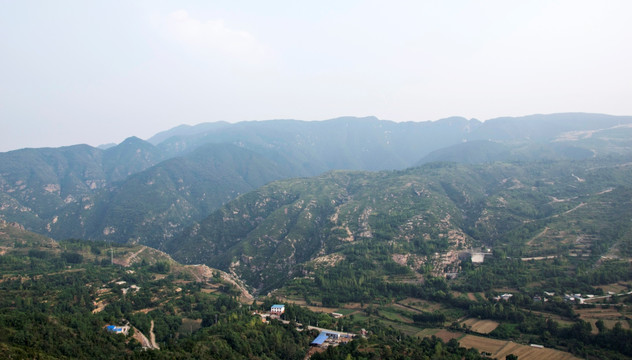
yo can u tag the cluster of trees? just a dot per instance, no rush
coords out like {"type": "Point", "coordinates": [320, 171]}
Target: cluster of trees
{"type": "Point", "coordinates": [52, 315]}
{"type": "Point", "coordinates": [577, 338]}
{"type": "Point", "coordinates": [561, 275]}
{"type": "Point", "coordinates": [48, 308]}
{"type": "Point", "coordinates": [430, 318]}
{"type": "Point", "coordinates": [48, 314]}
{"type": "Point", "coordinates": [390, 344]}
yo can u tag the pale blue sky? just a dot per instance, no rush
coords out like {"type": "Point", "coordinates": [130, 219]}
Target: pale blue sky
{"type": "Point", "coordinates": [98, 72]}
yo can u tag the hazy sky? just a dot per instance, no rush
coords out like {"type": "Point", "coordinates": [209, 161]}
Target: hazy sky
{"type": "Point", "coordinates": [97, 72]}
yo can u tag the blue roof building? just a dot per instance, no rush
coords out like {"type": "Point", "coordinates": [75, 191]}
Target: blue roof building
{"type": "Point", "coordinates": [117, 329]}
{"type": "Point", "coordinates": [320, 339]}
{"type": "Point", "coordinates": [324, 335]}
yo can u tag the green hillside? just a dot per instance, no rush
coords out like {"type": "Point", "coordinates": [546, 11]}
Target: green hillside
{"type": "Point", "coordinates": [520, 209]}
{"type": "Point", "coordinates": [57, 299]}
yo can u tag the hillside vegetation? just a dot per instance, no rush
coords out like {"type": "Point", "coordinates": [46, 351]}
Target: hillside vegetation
{"type": "Point", "coordinates": [56, 300]}
{"type": "Point", "coordinates": [419, 236]}
{"type": "Point", "coordinates": [149, 191]}
{"type": "Point", "coordinates": [404, 219]}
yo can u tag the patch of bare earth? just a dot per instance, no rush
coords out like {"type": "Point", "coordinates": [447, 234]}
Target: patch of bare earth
{"type": "Point", "coordinates": [328, 260]}
{"type": "Point", "coordinates": [499, 349]}
{"type": "Point", "coordinates": [447, 335]}
{"type": "Point", "coordinates": [203, 273]}
{"type": "Point", "coordinates": [141, 338]}
{"type": "Point", "coordinates": [99, 307]}
{"type": "Point", "coordinates": [481, 326]}
{"type": "Point", "coordinates": [145, 311]}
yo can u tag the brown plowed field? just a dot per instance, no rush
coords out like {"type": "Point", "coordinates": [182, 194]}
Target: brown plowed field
{"type": "Point", "coordinates": [499, 349]}
{"type": "Point", "coordinates": [481, 326]}
{"type": "Point", "coordinates": [446, 335]}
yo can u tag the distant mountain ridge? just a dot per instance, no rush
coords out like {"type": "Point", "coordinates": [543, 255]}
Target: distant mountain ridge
{"type": "Point", "coordinates": [149, 191]}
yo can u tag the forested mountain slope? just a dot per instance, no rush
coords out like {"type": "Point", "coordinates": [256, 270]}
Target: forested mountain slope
{"type": "Point", "coordinates": [522, 209]}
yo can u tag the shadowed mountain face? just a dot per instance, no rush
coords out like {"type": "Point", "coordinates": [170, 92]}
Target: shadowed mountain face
{"type": "Point", "coordinates": [149, 191]}
{"type": "Point", "coordinates": [70, 198]}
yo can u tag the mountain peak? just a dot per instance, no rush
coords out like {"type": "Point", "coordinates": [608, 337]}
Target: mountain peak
{"type": "Point", "coordinates": [133, 140]}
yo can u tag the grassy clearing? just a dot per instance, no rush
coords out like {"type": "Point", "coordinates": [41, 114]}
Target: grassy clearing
{"type": "Point", "coordinates": [394, 316]}
{"type": "Point", "coordinates": [321, 309]}
{"type": "Point", "coordinates": [427, 332]}
{"type": "Point", "coordinates": [360, 318]}
{"type": "Point", "coordinates": [480, 326]}
{"type": "Point", "coordinates": [447, 335]}
{"type": "Point", "coordinates": [406, 329]}
{"type": "Point", "coordinates": [421, 305]}
{"type": "Point", "coordinates": [346, 312]}
{"type": "Point", "coordinates": [561, 320]}
{"type": "Point", "coordinates": [617, 288]}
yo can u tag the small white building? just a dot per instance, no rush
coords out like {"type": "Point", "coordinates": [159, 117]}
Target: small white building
{"type": "Point", "coordinates": [277, 309]}
{"type": "Point", "coordinates": [504, 297]}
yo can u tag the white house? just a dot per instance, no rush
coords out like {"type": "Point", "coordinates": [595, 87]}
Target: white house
{"type": "Point", "coordinates": [277, 309]}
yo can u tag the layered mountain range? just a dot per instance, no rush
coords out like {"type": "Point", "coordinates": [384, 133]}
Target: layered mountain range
{"type": "Point", "coordinates": [174, 191]}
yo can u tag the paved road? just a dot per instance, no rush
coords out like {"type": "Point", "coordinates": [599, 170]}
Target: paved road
{"type": "Point", "coordinates": [309, 327]}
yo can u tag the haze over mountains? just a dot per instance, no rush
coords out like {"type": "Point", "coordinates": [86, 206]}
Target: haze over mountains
{"type": "Point", "coordinates": [150, 191]}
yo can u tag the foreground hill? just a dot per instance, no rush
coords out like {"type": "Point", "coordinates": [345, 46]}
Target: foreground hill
{"type": "Point", "coordinates": [420, 218]}
{"type": "Point", "coordinates": [67, 300]}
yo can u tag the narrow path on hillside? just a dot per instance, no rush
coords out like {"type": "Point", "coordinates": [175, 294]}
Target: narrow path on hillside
{"type": "Point", "coordinates": [569, 211]}
{"type": "Point", "coordinates": [130, 259]}
{"type": "Point", "coordinates": [152, 336]}
{"type": "Point", "coordinates": [542, 233]}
